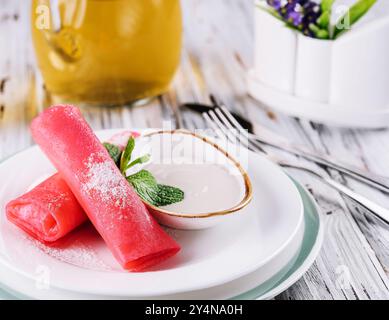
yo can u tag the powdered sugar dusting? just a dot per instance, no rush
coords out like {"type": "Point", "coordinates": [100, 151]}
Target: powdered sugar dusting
{"type": "Point", "coordinates": [55, 201]}
{"type": "Point", "coordinates": [103, 180]}
{"type": "Point", "coordinates": [77, 254]}
{"type": "Point", "coordinates": [103, 183]}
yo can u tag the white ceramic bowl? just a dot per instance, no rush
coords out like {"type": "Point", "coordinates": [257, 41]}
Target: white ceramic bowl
{"type": "Point", "coordinates": [197, 148]}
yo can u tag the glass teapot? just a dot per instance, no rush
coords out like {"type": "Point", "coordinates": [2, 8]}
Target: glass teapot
{"type": "Point", "coordinates": [106, 52]}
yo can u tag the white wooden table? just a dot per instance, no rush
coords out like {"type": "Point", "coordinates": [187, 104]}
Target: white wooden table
{"type": "Point", "coordinates": [218, 45]}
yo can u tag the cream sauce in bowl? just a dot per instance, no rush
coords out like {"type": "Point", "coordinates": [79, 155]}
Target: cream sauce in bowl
{"type": "Point", "coordinates": [215, 185]}
{"type": "Point", "coordinates": [207, 187]}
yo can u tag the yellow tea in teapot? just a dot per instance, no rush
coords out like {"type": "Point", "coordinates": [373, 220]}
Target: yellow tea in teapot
{"type": "Point", "coordinates": [106, 51]}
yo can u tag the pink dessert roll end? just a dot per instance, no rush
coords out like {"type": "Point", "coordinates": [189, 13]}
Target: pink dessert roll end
{"type": "Point", "coordinates": [48, 212]}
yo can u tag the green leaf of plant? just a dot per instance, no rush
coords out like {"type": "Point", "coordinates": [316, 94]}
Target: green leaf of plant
{"type": "Point", "coordinates": [150, 191]}
{"type": "Point", "coordinates": [145, 186]}
{"type": "Point", "coordinates": [114, 151]}
{"type": "Point", "coordinates": [324, 20]}
{"type": "Point", "coordinates": [357, 11]}
{"type": "Point", "coordinates": [126, 154]}
{"type": "Point", "coordinates": [139, 160]}
{"type": "Point", "coordinates": [168, 195]}
{"type": "Point", "coordinates": [319, 33]}
{"type": "Point", "coordinates": [326, 5]}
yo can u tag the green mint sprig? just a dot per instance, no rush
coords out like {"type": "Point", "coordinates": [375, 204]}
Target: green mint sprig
{"type": "Point", "coordinates": [143, 182]}
{"type": "Point", "coordinates": [149, 190]}
{"type": "Point", "coordinates": [126, 155]}
{"type": "Point", "coordinates": [168, 195]}
{"type": "Point", "coordinates": [114, 152]}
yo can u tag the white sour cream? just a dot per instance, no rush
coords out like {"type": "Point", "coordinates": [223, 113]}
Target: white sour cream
{"type": "Point", "coordinates": [207, 187]}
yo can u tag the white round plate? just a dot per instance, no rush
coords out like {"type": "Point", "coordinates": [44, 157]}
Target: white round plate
{"type": "Point", "coordinates": [320, 112]}
{"type": "Point", "coordinates": [247, 287]}
{"type": "Point", "coordinates": [265, 233]}
{"type": "Point", "coordinates": [310, 248]}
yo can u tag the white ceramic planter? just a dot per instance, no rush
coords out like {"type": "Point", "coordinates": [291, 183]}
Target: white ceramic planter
{"type": "Point", "coordinates": [360, 68]}
{"type": "Point", "coordinates": [323, 80]}
{"type": "Point", "coordinates": [275, 52]}
{"type": "Point", "coordinates": [313, 69]}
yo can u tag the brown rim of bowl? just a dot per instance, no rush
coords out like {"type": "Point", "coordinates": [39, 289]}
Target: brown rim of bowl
{"type": "Point", "coordinates": [248, 187]}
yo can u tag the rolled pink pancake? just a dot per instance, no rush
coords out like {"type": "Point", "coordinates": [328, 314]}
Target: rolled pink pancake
{"type": "Point", "coordinates": [131, 233]}
{"type": "Point", "coordinates": [48, 212]}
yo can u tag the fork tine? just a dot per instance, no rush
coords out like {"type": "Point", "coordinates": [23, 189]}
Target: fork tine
{"type": "Point", "coordinates": [232, 123]}
{"type": "Point", "coordinates": [209, 121]}
{"type": "Point", "coordinates": [230, 117]}
{"type": "Point", "coordinates": [222, 120]}
{"type": "Point", "coordinates": [240, 135]}
{"type": "Point", "coordinates": [237, 125]}
{"type": "Point", "coordinates": [223, 128]}
{"type": "Point", "coordinates": [214, 126]}
{"type": "Point", "coordinates": [228, 127]}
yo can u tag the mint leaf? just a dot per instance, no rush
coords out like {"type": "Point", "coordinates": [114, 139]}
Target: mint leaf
{"type": "Point", "coordinates": [126, 154]}
{"type": "Point", "coordinates": [139, 160]}
{"type": "Point", "coordinates": [150, 191]}
{"type": "Point", "coordinates": [114, 151]}
{"type": "Point", "coordinates": [143, 182]}
{"type": "Point", "coordinates": [145, 186]}
{"type": "Point", "coordinates": [168, 195]}
{"type": "Point", "coordinates": [143, 176]}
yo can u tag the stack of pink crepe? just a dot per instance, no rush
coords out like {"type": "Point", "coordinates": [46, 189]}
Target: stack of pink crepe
{"type": "Point", "coordinates": [48, 212]}
{"type": "Point", "coordinates": [91, 176]}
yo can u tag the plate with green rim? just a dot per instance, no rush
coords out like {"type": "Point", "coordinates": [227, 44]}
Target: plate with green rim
{"type": "Point", "coordinates": [312, 242]}
{"type": "Point", "coordinates": [296, 268]}
{"type": "Point", "coordinates": [272, 225]}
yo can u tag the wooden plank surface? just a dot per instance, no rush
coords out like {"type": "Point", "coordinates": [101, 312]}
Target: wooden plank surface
{"type": "Point", "coordinates": [218, 45]}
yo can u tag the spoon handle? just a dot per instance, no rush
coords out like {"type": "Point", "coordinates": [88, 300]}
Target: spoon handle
{"type": "Point", "coordinates": [372, 207]}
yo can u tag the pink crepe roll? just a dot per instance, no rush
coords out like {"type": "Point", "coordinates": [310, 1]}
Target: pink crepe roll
{"type": "Point", "coordinates": [131, 233]}
{"type": "Point", "coordinates": [48, 212]}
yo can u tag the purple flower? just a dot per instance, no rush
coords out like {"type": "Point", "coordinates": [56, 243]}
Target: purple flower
{"type": "Point", "coordinates": [299, 13]}
{"type": "Point", "coordinates": [296, 18]}
{"type": "Point", "coordinates": [276, 4]}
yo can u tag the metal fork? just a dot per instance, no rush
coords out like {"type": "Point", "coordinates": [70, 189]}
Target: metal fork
{"type": "Point", "coordinates": [274, 140]}
{"type": "Point", "coordinates": [226, 127]}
